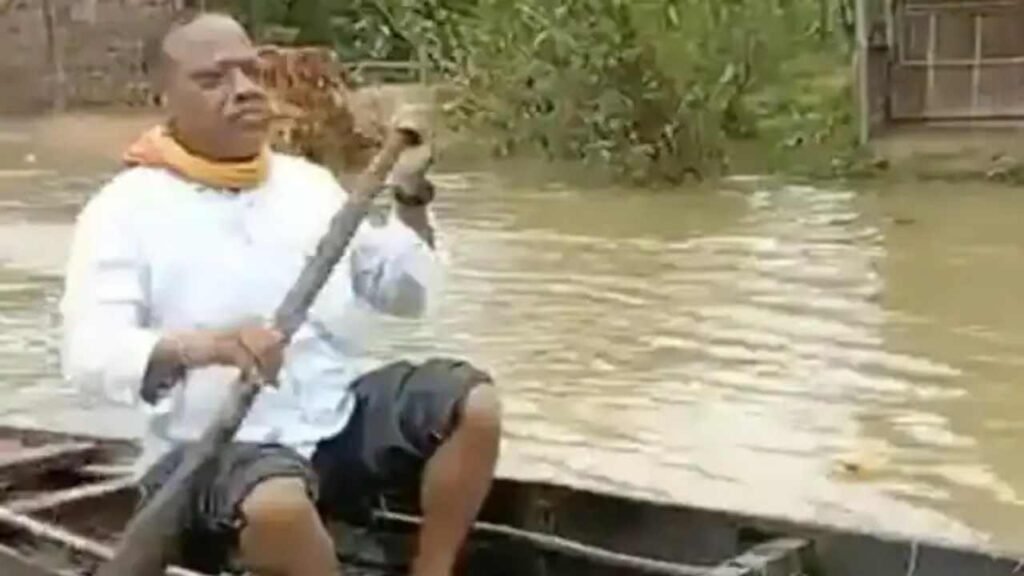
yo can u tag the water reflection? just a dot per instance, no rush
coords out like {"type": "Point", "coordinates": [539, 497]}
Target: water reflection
{"type": "Point", "coordinates": [721, 348]}
{"type": "Point", "coordinates": [721, 355]}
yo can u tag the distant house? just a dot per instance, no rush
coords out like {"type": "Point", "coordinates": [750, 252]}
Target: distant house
{"type": "Point", "coordinates": [84, 52]}
{"type": "Point", "coordinates": [924, 61]}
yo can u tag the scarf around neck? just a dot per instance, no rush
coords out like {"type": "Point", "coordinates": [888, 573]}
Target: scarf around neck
{"type": "Point", "coordinates": [158, 149]}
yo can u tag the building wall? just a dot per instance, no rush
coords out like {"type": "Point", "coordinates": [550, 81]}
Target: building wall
{"type": "Point", "coordinates": [960, 59]}
{"type": "Point", "coordinates": [103, 57]}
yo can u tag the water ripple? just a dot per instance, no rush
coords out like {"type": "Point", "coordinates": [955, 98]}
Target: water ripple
{"type": "Point", "coordinates": [720, 350]}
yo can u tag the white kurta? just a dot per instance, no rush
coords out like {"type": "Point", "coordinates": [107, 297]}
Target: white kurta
{"type": "Point", "coordinates": [152, 252]}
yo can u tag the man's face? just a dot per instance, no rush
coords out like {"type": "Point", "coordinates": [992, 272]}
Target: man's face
{"type": "Point", "coordinates": [217, 107]}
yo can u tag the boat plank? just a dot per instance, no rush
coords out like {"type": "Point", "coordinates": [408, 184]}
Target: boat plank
{"type": "Point", "coordinates": [12, 563]}
{"type": "Point", "coordinates": [68, 539]}
{"type": "Point", "coordinates": [41, 459]}
{"type": "Point", "coordinates": [106, 470]}
{"type": "Point", "coordinates": [51, 500]}
{"type": "Point", "coordinates": [779, 557]}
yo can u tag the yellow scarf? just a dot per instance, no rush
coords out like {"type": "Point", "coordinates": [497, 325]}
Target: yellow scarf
{"type": "Point", "coordinates": [157, 148]}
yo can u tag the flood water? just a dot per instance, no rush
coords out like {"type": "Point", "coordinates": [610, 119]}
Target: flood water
{"type": "Point", "coordinates": [728, 348]}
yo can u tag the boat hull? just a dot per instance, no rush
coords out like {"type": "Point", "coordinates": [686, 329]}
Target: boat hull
{"type": "Point", "coordinates": [526, 528]}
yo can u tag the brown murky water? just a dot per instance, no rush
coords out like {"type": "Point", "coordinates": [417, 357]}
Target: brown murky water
{"type": "Point", "coordinates": [727, 349]}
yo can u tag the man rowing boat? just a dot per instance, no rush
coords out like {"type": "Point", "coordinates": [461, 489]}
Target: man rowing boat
{"type": "Point", "coordinates": [175, 268]}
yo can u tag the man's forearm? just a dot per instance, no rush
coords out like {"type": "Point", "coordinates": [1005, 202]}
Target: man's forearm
{"type": "Point", "coordinates": [167, 365]}
{"type": "Point", "coordinates": [174, 355]}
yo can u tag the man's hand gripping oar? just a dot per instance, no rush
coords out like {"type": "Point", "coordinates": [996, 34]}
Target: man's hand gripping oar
{"type": "Point", "coordinates": [149, 540]}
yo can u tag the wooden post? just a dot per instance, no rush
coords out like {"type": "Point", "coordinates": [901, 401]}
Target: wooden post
{"type": "Point", "coordinates": [85, 11]}
{"type": "Point", "coordinates": [423, 61]}
{"type": "Point", "coordinates": [861, 54]}
{"type": "Point", "coordinates": [979, 32]}
{"type": "Point", "coordinates": [888, 17]}
{"type": "Point", "coordinates": [933, 46]}
{"type": "Point", "coordinates": [824, 19]}
{"type": "Point", "coordinates": [54, 56]}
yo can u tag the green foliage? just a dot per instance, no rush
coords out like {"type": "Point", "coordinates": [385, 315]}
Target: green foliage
{"type": "Point", "coordinates": [656, 90]}
{"type": "Point", "coordinates": [573, 80]}
{"type": "Point", "coordinates": [652, 90]}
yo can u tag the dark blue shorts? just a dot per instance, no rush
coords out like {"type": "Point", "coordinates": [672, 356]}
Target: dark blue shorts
{"type": "Point", "coordinates": [403, 412]}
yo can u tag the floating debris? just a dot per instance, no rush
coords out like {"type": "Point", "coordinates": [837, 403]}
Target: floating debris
{"type": "Point", "coordinates": [861, 465]}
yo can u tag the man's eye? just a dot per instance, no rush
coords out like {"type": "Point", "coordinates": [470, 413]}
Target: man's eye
{"type": "Point", "coordinates": [208, 79]}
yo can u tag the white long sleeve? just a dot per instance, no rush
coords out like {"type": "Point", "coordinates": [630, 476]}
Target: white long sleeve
{"type": "Point", "coordinates": [391, 267]}
{"type": "Point", "coordinates": [394, 270]}
{"type": "Point", "coordinates": [154, 253]}
{"type": "Point", "coordinates": [106, 346]}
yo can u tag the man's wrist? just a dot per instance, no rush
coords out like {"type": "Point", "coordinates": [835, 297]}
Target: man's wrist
{"type": "Point", "coordinates": [416, 218]}
{"type": "Point", "coordinates": [416, 193]}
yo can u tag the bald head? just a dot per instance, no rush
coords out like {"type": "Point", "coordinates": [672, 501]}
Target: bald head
{"type": "Point", "coordinates": [189, 30]}
{"type": "Point", "coordinates": [208, 71]}
{"type": "Point", "coordinates": [203, 33]}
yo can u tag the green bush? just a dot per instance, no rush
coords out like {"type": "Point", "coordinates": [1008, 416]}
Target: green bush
{"type": "Point", "coordinates": [653, 91]}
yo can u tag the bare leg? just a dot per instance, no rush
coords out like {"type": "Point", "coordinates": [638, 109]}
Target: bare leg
{"type": "Point", "coordinates": [456, 481]}
{"type": "Point", "coordinates": [283, 535]}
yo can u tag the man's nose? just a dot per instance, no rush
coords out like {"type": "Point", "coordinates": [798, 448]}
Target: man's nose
{"type": "Point", "coordinates": [245, 87]}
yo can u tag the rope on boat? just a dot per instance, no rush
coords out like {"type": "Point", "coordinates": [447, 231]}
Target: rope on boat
{"type": "Point", "coordinates": [53, 499]}
{"type": "Point", "coordinates": [67, 538]}
{"type": "Point", "coordinates": [568, 547]}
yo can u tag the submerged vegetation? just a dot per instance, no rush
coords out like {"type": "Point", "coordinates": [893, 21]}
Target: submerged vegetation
{"type": "Point", "coordinates": [655, 91]}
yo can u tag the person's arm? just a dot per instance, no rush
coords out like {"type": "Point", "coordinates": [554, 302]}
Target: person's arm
{"type": "Point", "coordinates": [108, 347]}
{"type": "Point", "coordinates": [248, 348]}
{"type": "Point", "coordinates": [392, 267]}
{"type": "Point", "coordinates": [106, 344]}
{"type": "Point", "coordinates": [395, 267]}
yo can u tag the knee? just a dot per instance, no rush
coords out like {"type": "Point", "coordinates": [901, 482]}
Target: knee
{"type": "Point", "coordinates": [280, 506]}
{"type": "Point", "coordinates": [481, 410]}
{"type": "Point", "coordinates": [283, 533]}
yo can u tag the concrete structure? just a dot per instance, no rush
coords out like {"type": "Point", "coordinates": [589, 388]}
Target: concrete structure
{"type": "Point", "coordinates": [926, 61]}
{"type": "Point", "coordinates": [84, 52]}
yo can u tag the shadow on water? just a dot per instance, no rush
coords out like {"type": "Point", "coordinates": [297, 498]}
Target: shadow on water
{"type": "Point", "coordinates": [728, 348]}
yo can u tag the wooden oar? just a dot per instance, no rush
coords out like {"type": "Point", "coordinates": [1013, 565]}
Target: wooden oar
{"type": "Point", "coordinates": [149, 539]}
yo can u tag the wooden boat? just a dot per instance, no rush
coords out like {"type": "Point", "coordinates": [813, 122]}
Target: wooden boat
{"type": "Point", "coordinates": [66, 498]}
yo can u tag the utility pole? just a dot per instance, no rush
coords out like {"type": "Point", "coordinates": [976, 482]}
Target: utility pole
{"type": "Point", "coordinates": [861, 54]}
{"type": "Point", "coordinates": [55, 56]}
